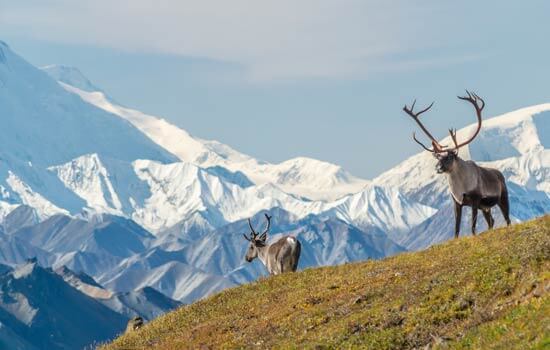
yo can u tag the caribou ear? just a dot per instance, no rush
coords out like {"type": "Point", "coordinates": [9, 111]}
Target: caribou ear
{"type": "Point", "coordinates": [263, 237]}
{"type": "Point", "coordinates": [248, 239]}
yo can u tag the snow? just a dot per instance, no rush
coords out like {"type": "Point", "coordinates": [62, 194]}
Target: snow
{"type": "Point", "coordinates": [302, 176]}
{"type": "Point", "coordinates": [71, 76]}
{"type": "Point", "coordinates": [20, 308]}
{"type": "Point", "coordinates": [46, 125]}
{"type": "Point", "coordinates": [87, 177]}
{"type": "Point", "coordinates": [24, 270]}
{"type": "Point", "coordinates": [28, 197]}
{"type": "Point", "coordinates": [6, 208]}
{"type": "Point", "coordinates": [172, 193]}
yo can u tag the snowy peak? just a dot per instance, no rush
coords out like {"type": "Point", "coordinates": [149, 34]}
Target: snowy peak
{"type": "Point", "coordinates": [177, 141]}
{"type": "Point", "coordinates": [88, 177]}
{"type": "Point", "coordinates": [71, 76]}
{"type": "Point", "coordinates": [304, 177]}
{"type": "Point", "coordinates": [44, 125]}
{"type": "Point", "coordinates": [382, 207]}
{"type": "Point", "coordinates": [308, 172]}
{"type": "Point", "coordinates": [512, 134]}
{"type": "Point", "coordinates": [182, 196]}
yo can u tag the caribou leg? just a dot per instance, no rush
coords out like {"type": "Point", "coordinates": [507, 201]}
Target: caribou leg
{"type": "Point", "coordinates": [475, 209]}
{"type": "Point", "coordinates": [504, 206]}
{"type": "Point", "coordinates": [458, 217]}
{"type": "Point", "coordinates": [489, 218]}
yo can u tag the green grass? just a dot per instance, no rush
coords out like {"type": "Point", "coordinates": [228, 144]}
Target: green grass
{"type": "Point", "coordinates": [484, 292]}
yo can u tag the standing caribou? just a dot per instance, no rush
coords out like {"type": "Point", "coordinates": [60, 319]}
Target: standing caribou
{"type": "Point", "coordinates": [470, 185]}
{"type": "Point", "coordinates": [279, 257]}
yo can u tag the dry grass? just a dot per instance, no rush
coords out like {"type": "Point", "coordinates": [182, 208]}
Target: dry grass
{"type": "Point", "coordinates": [483, 292]}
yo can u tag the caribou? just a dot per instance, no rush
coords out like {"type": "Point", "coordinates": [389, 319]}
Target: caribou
{"type": "Point", "coordinates": [470, 185]}
{"type": "Point", "coordinates": [279, 257]}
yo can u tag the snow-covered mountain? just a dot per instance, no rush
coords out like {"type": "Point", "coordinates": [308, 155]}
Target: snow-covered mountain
{"type": "Point", "coordinates": [159, 196]}
{"type": "Point", "coordinates": [44, 125]}
{"type": "Point", "coordinates": [61, 154]}
{"type": "Point", "coordinates": [302, 176]}
{"type": "Point", "coordinates": [215, 185]}
{"type": "Point", "coordinates": [71, 76]}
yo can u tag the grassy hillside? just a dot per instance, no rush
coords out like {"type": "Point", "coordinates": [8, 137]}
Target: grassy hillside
{"type": "Point", "coordinates": [489, 291]}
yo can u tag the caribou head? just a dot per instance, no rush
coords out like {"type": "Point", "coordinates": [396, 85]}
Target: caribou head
{"type": "Point", "coordinates": [256, 240]}
{"type": "Point", "coordinates": [447, 156]}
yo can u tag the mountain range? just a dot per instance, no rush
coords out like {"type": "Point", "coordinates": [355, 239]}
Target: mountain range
{"type": "Point", "coordinates": [137, 215]}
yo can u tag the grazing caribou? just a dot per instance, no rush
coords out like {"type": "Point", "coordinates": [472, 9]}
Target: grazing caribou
{"type": "Point", "coordinates": [134, 324]}
{"type": "Point", "coordinates": [470, 185]}
{"type": "Point", "coordinates": [279, 257]}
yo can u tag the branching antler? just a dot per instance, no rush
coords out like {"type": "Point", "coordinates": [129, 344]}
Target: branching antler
{"type": "Point", "coordinates": [254, 235]}
{"type": "Point", "coordinates": [436, 147]}
{"type": "Point", "coordinates": [268, 218]}
{"type": "Point", "coordinates": [475, 100]}
{"type": "Point", "coordinates": [471, 97]}
{"type": "Point", "coordinates": [251, 228]}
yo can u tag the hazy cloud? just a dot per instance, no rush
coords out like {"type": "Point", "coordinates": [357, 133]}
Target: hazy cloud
{"type": "Point", "coordinates": [270, 39]}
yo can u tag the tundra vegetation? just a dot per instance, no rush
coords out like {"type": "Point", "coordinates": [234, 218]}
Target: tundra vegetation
{"type": "Point", "coordinates": [485, 292]}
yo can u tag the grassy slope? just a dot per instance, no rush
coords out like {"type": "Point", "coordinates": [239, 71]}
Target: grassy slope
{"type": "Point", "coordinates": [489, 291]}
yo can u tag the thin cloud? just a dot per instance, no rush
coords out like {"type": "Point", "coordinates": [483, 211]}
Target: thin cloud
{"type": "Point", "coordinates": [270, 39]}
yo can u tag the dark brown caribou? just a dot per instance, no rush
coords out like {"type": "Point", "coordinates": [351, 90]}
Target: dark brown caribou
{"type": "Point", "coordinates": [470, 185]}
{"type": "Point", "coordinates": [279, 257]}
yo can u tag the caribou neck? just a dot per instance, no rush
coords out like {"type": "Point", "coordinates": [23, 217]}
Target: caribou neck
{"type": "Point", "coordinates": [460, 166]}
{"type": "Point", "coordinates": [263, 253]}
{"type": "Point", "coordinates": [462, 179]}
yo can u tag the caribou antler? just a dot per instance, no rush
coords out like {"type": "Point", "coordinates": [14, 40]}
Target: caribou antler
{"type": "Point", "coordinates": [474, 100]}
{"type": "Point", "coordinates": [251, 228]}
{"type": "Point", "coordinates": [254, 235]}
{"type": "Point", "coordinates": [416, 116]}
{"type": "Point", "coordinates": [268, 218]}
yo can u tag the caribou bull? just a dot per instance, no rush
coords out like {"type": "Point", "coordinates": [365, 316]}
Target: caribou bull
{"type": "Point", "coordinates": [469, 184]}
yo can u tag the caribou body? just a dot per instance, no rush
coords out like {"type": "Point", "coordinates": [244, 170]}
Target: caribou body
{"type": "Point", "coordinates": [279, 257]}
{"type": "Point", "coordinates": [470, 185]}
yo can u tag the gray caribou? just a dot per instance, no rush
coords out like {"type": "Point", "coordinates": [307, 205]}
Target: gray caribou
{"type": "Point", "coordinates": [470, 185]}
{"type": "Point", "coordinates": [279, 257]}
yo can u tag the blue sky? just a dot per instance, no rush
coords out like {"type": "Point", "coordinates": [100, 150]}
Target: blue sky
{"type": "Point", "coordinates": [280, 79]}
